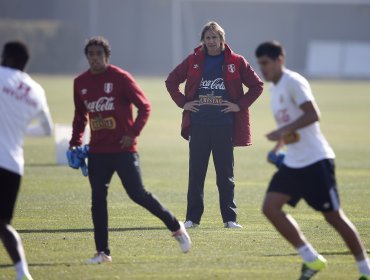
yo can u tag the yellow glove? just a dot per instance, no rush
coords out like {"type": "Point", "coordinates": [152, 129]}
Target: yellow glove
{"type": "Point", "coordinates": [290, 137]}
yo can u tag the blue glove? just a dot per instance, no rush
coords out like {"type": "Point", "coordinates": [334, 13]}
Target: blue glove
{"type": "Point", "coordinates": [276, 158]}
{"type": "Point", "coordinates": [83, 155]}
{"type": "Point", "coordinates": [73, 158]}
{"type": "Point", "coordinates": [76, 158]}
{"type": "Point", "coordinates": [84, 169]}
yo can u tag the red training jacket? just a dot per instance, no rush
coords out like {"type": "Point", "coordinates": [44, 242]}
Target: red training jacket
{"type": "Point", "coordinates": [106, 99]}
{"type": "Point", "coordinates": [236, 72]}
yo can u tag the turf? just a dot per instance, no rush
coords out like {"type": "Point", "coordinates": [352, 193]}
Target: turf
{"type": "Point", "coordinates": [53, 209]}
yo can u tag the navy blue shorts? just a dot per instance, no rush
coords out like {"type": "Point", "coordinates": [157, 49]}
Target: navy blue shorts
{"type": "Point", "coordinates": [315, 183]}
{"type": "Point", "coordinates": [9, 187]}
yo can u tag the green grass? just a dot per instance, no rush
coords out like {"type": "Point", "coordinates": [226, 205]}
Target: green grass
{"type": "Point", "coordinates": [53, 210]}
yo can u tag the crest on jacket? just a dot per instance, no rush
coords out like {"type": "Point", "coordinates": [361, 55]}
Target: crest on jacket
{"type": "Point", "coordinates": [231, 68]}
{"type": "Point", "coordinates": [108, 87]}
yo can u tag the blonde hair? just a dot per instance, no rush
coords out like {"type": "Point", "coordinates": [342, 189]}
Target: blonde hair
{"type": "Point", "coordinates": [216, 28]}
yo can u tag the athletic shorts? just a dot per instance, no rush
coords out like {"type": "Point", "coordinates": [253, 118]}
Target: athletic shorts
{"type": "Point", "coordinates": [9, 187]}
{"type": "Point", "coordinates": [315, 183]}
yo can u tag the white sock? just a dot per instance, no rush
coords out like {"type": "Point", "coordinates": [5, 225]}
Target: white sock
{"type": "Point", "coordinates": [21, 268]}
{"type": "Point", "coordinates": [308, 253]}
{"type": "Point", "coordinates": [364, 266]}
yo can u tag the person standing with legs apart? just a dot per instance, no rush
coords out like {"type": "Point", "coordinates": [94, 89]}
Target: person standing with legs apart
{"type": "Point", "coordinates": [105, 95]}
{"type": "Point", "coordinates": [307, 170]}
{"type": "Point", "coordinates": [215, 117]}
{"type": "Point", "coordinates": [21, 101]}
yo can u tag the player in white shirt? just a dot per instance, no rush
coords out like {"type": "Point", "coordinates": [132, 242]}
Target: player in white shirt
{"type": "Point", "coordinates": [307, 170]}
{"type": "Point", "coordinates": [22, 100]}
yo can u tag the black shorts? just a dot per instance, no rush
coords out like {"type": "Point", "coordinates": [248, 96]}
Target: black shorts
{"type": "Point", "coordinates": [9, 187]}
{"type": "Point", "coordinates": [315, 183]}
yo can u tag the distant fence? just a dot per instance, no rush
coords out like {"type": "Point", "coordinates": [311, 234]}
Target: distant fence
{"type": "Point", "coordinates": [322, 38]}
{"type": "Point", "coordinates": [54, 45]}
{"type": "Point", "coordinates": [338, 59]}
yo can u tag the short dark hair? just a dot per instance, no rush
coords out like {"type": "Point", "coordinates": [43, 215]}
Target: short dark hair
{"type": "Point", "coordinates": [15, 54]}
{"type": "Point", "coordinates": [271, 49]}
{"type": "Point", "coordinates": [98, 41]}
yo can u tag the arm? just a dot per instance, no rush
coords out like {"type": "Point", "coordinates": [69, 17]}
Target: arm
{"type": "Point", "coordinates": [137, 97]}
{"type": "Point", "coordinates": [173, 81]}
{"type": "Point", "coordinates": [310, 115]}
{"type": "Point", "coordinates": [43, 125]}
{"type": "Point", "coordinates": [79, 120]}
{"type": "Point", "coordinates": [252, 81]}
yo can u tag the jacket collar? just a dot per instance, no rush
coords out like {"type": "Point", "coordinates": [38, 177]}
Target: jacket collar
{"type": "Point", "coordinates": [200, 51]}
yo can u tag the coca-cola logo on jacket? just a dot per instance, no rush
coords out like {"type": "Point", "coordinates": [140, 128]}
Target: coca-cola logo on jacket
{"type": "Point", "coordinates": [216, 84]}
{"type": "Point", "coordinates": [101, 105]}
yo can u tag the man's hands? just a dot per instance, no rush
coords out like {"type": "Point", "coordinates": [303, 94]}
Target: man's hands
{"type": "Point", "coordinates": [288, 137]}
{"type": "Point", "coordinates": [275, 135]}
{"type": "Point", "coordinates": [291, 137]}
{"type": "Point", "coordinates": [76, 157]}
{"type": "Point", "coordinates": [126, 141]}
{"type": "Point", "coordinates": [230, 107]}
{"type": "Point", "coordinates": [193, 106]}
{"type": "Point", "coordinates": [288, 133]}
{"type": "Point", "coordinates": [276, 155]}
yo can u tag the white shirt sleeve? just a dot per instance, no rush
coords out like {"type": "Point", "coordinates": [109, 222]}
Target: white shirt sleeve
{"type": "Point", "coordinates": [42, 124]}
{"type": "Point", "coordinates": [300, 90]}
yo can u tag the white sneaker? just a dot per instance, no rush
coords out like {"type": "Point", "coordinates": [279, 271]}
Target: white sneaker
{"type": "Point", "coordinates": [99, 257]}
{"type": "Point", "coordinates": [232, 225]}
{"type": "Point", "coordinates": [26, 276]}
{"type": "Point", "coordinates": [183, 238]}
{"type": "Point", "coordinates": [190, 224]}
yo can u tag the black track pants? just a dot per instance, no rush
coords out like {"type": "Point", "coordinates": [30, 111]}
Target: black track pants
{"type": "Point", "coordinates": [101, 169]}
{"type": "Point", "coordinates": [205, 139]}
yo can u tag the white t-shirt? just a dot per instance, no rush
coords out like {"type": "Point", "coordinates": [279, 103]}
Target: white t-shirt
{"type": "Point", "coordinates": [286, 97]}
{"type": "Point", "coordinates": [21, 101]}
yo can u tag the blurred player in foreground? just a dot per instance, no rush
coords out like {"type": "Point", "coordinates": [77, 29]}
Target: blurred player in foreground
{"type": "Point", "coordinates": [307, 170]}
{"type": "Point", "coordinates": [105, 95]}
{"type": "Point", "coordinates": [21, 101]}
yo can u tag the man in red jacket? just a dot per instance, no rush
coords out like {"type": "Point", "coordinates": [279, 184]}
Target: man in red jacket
{"type": "Point", "coordinates": [215, 117]}
{"type": "Point", "coordinates": [105, 95]}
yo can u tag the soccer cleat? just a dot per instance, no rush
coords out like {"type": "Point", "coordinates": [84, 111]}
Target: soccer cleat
{"type": "Point", "coordinates": [27, 276]}
{"type": "Point", "coordinates": [232, 225]}
{"type": "Point", "coordinates": [190, 224]}
{"type": "Point", "coordinates": [183, 238]}
{"type": "Point", "coordinates": [99, 257]}
{"type": "Point", "coordinates": [309, 269]}
{"type": "Point", "coordinates": [364, 277]}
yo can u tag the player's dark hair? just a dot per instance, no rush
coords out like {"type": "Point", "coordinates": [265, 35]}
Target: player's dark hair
{"type": "Point", "coordinates": [98, 41]}
{"type": "Point", "coordinates": [272, 49]}
{"type": "Point", "coordinates": [15, 55]}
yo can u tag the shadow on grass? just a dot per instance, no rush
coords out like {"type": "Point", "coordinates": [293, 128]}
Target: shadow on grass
{"type": "Point", "coordinates": [34, 164]}
{"type": "Point", "coordinates": [328, 253]}
{"type": "Point", "coordinates": [40, 264]}
{"type": "Point", "coordinates": [71, 230]}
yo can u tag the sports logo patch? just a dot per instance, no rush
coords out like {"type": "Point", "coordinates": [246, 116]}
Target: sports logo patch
{"type": "Point", "coordinates": [101, 105]}
{"type": "Point", "coordinates": [217, 83]}
{"type": "Point", "coordinates": [195, 66]}
{"type": "Point", "coordinates": [231, 68]}
{"type": "Point", "coordinates": [108, 87]}
{"type": "Point", "coordinates": [210, 99]}
{"type": "Point", "coordinates": [99, 123]}
{"type": "Point", "coordinates": [84, 91]}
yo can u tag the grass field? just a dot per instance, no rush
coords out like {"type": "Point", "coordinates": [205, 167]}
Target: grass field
{"type": "Point", "coordinates": [53, 210]}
